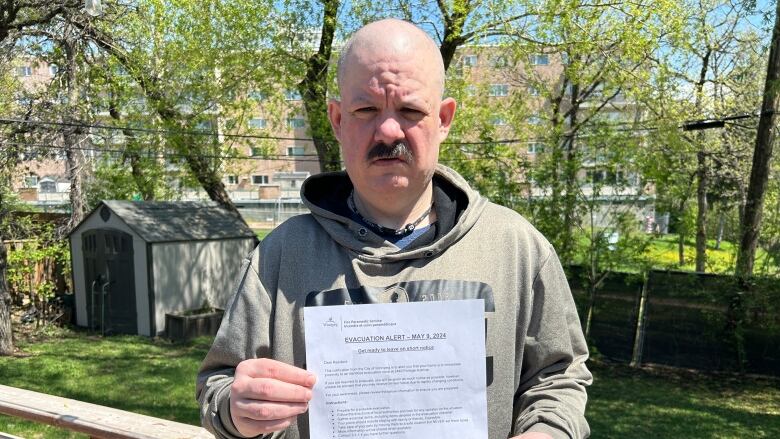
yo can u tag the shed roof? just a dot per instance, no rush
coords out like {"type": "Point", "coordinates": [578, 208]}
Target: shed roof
{"type": "Point", "coordinates": [162, 221]}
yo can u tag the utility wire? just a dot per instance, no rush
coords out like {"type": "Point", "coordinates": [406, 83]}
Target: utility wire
{"type": "Point", "coordinates": [207, 133]}
{"type": "Point", "coordinates": [687, 125]}
{"type": "Point", "coordinates": [150, 154]}
{"type": "Point", "coordinates": [169, 155]}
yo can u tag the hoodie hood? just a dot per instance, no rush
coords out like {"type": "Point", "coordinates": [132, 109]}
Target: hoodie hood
{"type": "Point", "coordinates": [325, 195]}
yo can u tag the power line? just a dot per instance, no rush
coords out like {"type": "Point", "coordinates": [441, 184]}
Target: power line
{"type": "Point", "coordinates": [253, 136]}
{"type": "Point", "coordinates": [207, 133]}
{"type": "Point", "coordinates": [149, 130]}
{"type": "Point", "coordinates": [685, 125]}
{"type": "Point", "coordinates": [164, 155]}
{"type": "Point", "coordinates": [150, 154]}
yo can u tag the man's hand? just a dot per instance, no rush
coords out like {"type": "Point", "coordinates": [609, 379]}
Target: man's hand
{"type": "Point", "coordinates": [267, 395]}
{"type": "Point", "coordinates": [533, 435]}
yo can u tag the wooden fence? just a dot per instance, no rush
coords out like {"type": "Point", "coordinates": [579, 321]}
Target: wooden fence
{"type": "Point", "coordinates": [94, 420]}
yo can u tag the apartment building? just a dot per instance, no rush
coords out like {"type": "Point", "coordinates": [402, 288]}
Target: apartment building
{"type": "Point", "coordinates": [279, 154]}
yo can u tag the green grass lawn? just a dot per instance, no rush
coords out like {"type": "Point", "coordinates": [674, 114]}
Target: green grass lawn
{"type": "Point", "coordinates": [667, 403]}
{"type": "Point", "coordinates": [663, 252]}
{"type": "Point", "coordinates": [262, 233]}
{"type": "Point", "coordinates": [663, 255]}
{"type": "Point", "coordinates": [157, 378]}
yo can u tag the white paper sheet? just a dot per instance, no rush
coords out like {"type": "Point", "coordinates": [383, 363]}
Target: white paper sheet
{"type": "Point", "coordinates": [401, 370]}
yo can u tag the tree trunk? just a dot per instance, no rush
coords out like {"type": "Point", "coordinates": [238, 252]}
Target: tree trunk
{"type": "Point", "coordinates": [701, 172]}
{"type": "Point", "coordinates": [762, 154]}
{"type": "Point", "coordinates": [71, 135]}
{"type": "Point", "coordinates": [6, 334]}
{"type": "Point", "coordinates": [701, 215]}
{"type": "Point", "coordinates": [681, 232]}
{"type": "Point", "coordinates": [314, 90]}
{"type": "Point", "coordinates": [570, 168]}
{"type": "Point", "coordinates": [144, 185]}
{"type": "Point", "coordinates": [453, 30]}
{"type": "Point", "coordinates": [721, 226]}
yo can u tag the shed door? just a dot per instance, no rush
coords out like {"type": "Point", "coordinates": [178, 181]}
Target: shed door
{"type": "Point", "coordinates": [110, 279]}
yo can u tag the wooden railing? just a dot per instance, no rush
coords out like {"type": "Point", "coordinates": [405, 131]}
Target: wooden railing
{"type": "Point", "coordinates": [95, 420]}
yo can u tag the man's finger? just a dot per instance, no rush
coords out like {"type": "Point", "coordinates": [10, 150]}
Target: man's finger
{"type": "Point", "coordinates": [251, 428]}
{"type": "Point", "coordinates": [267, 368]}
{"type": "Point", "coordinates": [266, 389]}
{"type": "Point", "coordinates": [267, 411]}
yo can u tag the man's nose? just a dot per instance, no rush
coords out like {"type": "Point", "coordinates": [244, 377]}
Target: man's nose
{"type": "Point", "coordinates": [388, 130]}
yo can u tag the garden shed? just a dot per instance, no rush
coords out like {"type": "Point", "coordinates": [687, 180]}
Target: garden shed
{"type": "Point", "coordinates": [135, 261]}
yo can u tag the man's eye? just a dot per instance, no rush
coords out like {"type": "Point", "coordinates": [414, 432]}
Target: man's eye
{"type": "Point", "coordinates": [364, 112]}
{"type": "Point", "coordinates": [413, 114]}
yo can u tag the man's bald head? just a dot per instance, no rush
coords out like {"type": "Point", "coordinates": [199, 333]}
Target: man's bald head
{"type": "Point", "coordinates": [395, 37]}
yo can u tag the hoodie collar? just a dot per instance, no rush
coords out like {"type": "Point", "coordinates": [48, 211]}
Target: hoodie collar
{"type": "Point", "coordinates": [325, 195]}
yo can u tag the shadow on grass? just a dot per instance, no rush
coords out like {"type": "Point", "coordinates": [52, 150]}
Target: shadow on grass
{"type": "Point", "coordinates": [630, 403]}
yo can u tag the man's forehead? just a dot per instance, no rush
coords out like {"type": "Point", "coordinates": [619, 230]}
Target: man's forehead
{"type": "Point", "coordinates": [377, 71]}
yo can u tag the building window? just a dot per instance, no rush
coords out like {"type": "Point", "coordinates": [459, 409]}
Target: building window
{"type": "Point", "coordinates": [534, 120]}
{"type": "Point", "coordinates": [257, 95]}
{"type": "Point", "coordinates": [24, 71]}
{"type": "Point", "coordinates": [295, 150]}
{"type": "Point", "coordinates": [469, 60]}
{"type": "Point", "coordinates": [533, 91]}
{"type": "Point", "coordinates": [498, 121]}
{"type": "Point", "coordinates": [292, 95]}
{"type": "Point", "coordinates": [31, 180]}
{"type": "Point", "coordinates": [231, 179]}
{"type": "Point", "coordinates": [257, 123]}
{"type": "Point", "coordinates": [540, 59]}
{"type": "Point", "coordinates": [535, 147]}
{"type": "Point", "coordinates": [500, 62]}
{"type": "Point", "coordinates": [257, 152]}
{"type": "Point", "coordinates": [204, 125]}
{"type": "Point", "coordinates": [499, 90]}
{"type": "Point", "coordinates": [53, 70]}
{"type": "Point", "coordinates": [47, 186]}
{"type": "Point", "coordinates": [471, 90]}
{"type": "Point", "coordinates": [259, 179]}
{"type": "Point", "coordinates": [295, 122]}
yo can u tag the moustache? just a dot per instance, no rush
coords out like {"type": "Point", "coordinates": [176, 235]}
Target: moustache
{"type": "Point", "coordinates": [397, 150]}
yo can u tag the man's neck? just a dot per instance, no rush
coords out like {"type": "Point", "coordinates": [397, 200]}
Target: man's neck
{"type": "Point", "coordinates": [397, 213]}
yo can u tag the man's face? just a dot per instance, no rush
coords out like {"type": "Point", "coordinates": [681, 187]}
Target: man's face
{"type": "Point", "coordinates": [390, 122]}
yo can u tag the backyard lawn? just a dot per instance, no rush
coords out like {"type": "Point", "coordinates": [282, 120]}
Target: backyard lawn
{"type": "Point", "coordinates": [156, 378]}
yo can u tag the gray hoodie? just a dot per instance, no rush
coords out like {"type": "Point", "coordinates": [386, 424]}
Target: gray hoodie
{"type": "Point", "coordinates": [535, 349]}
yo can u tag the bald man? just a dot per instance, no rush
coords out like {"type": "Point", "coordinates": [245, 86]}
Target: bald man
{"type": "Point", "coordinates": [397, 226]}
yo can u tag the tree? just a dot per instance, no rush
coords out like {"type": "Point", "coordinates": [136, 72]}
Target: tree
{"type": "Point", "coordinates": [187, 80]}
{"type": "Point", "coordinates": [603, 50]}
{"type": "Point", "coordinates": [18, 15]}
{"type": "Point", "coordinates": [16, 18]}
{"type": "Point", "coordinates": [713, 41]}
{"type": "Point", "coordinates": [759, 174]}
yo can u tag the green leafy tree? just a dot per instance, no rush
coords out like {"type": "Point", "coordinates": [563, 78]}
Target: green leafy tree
{"type": "Point", "coordinates": [600, 53]}
{"type": "Point", "coordinates": [191, 61]}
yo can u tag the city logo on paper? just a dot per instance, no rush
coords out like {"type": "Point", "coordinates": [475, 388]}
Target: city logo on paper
{"type": "Point", "coordinates": [330, 323]}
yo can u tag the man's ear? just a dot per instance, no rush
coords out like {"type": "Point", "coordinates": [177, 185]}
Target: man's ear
{"type": "Point", "coordinates": [446, 116]}
{"type": "Point", "coordinates": [334, 115]}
